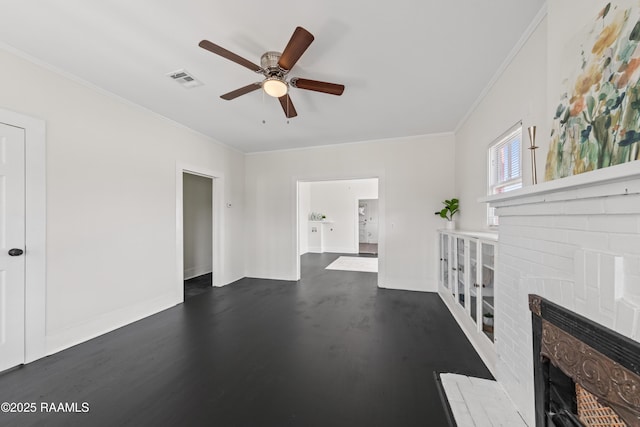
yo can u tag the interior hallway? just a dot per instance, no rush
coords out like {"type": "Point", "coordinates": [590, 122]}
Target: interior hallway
{"type": "Point", "coordinates": [333, 350]}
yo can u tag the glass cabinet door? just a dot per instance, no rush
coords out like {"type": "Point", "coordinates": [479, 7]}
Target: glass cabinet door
{"type": "Point", "coordinates": [444, 263]}
{"type": "Point", "coordinates": [473, 276]}
{"type": "Point", "coordinates": [488, 267]}
{"type": "Point", "coordinates": [460, 270]}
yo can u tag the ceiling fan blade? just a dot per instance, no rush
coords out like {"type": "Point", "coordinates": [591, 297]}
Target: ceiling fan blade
{"type": "Point", "coordinates": [287, 106]}
{"type": "Point", "coordinates": [242, 91]}
{"type": "Point", "coordinates": [212, 47]}
{"type": "Point", "coordinates": [299, 42]}
{"type": "Point", "coordinates": [324, 87]}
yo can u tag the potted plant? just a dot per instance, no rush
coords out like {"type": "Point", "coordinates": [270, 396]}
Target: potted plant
{"type": "Point", "coordinates": [487, 321]}
{"type": "Point", "coordinates": [451, 207]}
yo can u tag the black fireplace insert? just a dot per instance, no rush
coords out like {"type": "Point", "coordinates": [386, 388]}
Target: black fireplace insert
{"type": "Point", "coordinates": [584, 373]}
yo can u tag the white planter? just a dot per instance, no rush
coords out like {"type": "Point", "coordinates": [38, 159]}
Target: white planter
{"type": "Point", "coordinates": [450, 225]}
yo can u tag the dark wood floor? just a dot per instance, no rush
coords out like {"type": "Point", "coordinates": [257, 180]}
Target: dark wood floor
{"type": "Point", "coordinates": [197, 285]}
{"type": "Point", "coordinates": [332, 350]}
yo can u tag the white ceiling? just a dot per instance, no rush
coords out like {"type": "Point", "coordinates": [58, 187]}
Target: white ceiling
{"type": "Point", "coordinates": [410, 67]}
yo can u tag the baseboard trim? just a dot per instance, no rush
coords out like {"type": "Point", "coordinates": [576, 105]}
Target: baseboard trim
{"type": "Point", "coordinates": [107, 322]}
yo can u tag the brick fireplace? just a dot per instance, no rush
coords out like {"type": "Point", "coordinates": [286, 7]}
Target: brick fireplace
{"type": "Point", "coordinates": [575, 242]}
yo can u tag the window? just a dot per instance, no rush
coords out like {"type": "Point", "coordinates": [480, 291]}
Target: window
{"type": "Point", "coordinates": [504, 166]}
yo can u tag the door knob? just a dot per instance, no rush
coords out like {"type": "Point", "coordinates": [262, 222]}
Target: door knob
{"type": "Point", "coordinates": [15, 252]}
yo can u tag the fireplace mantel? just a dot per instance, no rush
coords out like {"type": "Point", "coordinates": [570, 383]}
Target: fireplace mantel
{"type": "Point", "coordinates": [615, 180]}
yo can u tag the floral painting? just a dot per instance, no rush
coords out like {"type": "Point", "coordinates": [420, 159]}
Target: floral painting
{"type": "Point", "coordinates": [597, 122]}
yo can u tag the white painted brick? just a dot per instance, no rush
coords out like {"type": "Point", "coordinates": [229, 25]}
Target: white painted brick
{"type": "Point", "coordinates": [581, 307]}
{"type": "Point", "coordinates": [463, 417]}
{"type": "Point", "coordinates": [531, 209]}
{"type": "Point", "coordinates": [561, 249]}
{"type": "Point", "coordinates": [589, 240]}
{"type": "Point", "coordinates": [622, 204]}
{"type": "Point", "coordinates": [632, 265]}
{"type": "Point", "coordinates": [592, 263]}
{"type": "Point", "coordinates": [584, 207]}
{"type": "Point", "coordinates": [547, 271]}
{"type": "Point", "coordinates": [531, 221]}
{"type": "Point", "coordinates": [626, 318]}
{"type": "Point", "coordinates": [607, 319]}
{"type": "Point", "coordinates": [613, 224]}
{"type": "Point", "coordinates": [558, 262]}
{"type": "Point", "coordinates": [607, 282]}
{"type": "Point", "coordinates": [593, 304]}
{"type": "Point", "coordinates": [572, 222]}
{"type": "Point", "coordinates": [568, 296]}
{"type": "Point", "coordinates": [636, 327]}
{"type": "Point", "coordinates": [632, 287]}
{"type": "Point", "coordinates": [624, 243]}
{"type": "Point", "coordinates": [453, 391]}
{"type": "Point", "coordinates": [553, 291]}
{"type": "Point", "coordinates": [551, 234]}
{"type": "Point", "coordinates": [478, 414]}
{"type": "Point", "coordinates": [509, 335]}
{"type": "Point", "coordinates": [570, 249]}
{"type": "Point", "coordinates": [580, 288]}
{"type": "Point", "coordinates": [619, 278]}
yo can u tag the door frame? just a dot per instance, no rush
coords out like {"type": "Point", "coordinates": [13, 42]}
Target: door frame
{"type": "Point", "coordinates": [382, 253]}
{"type": "Point", "coordinates": [358, 220]}
{"type": "Point", "coordinates": [217, 213]}
{"type": "Point", "coordinates": [35, 232]}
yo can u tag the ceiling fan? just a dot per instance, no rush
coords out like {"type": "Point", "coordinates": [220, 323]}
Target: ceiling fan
{"type": "Point", "coordinates": [275, 67]}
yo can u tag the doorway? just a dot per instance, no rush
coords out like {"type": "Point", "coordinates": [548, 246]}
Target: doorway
{"type": "Point", "coordinates": [197, 193]}
{"type": "Point", "coordinates": [199, 230]}
{"type": "Point", "coordinates": [328, 227]}
{"type": "Point", "coordinates": [368, 226]}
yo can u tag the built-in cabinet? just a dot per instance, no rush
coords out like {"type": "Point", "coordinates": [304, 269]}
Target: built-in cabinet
{"type": "Point", "coordinates": [467, 263]}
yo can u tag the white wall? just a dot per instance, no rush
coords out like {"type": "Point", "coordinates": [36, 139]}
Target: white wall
{"type": "Point", "coordinates": [304, 207]}
{"type": "Point", "coordinates": [338, 201]}
{"type": "Point", "coordinates": [415, 176]}
{"type": "Point", "coordinates": [198, 225]}
{"type": "Point", "coordinates": [518, 95]}
{"type": "Point", "coordinates": [111, 201]}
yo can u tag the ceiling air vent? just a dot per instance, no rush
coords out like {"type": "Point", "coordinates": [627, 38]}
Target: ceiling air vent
{"type": "Point", "coordinates": [184, 78]}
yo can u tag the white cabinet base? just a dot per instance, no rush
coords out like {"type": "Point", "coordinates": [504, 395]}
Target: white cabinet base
{"type": "Point", "coordinates": [465, 284]}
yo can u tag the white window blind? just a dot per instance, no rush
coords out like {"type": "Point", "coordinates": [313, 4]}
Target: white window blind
{"type": "Point", "coordinates": [505, 173]}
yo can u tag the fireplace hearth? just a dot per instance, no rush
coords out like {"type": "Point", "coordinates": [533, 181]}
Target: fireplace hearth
{"type": "Point", "coordinates": [584, 373]}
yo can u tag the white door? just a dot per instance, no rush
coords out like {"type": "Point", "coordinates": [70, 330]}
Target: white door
{"type": "Point", "coordinates": [12, 240]}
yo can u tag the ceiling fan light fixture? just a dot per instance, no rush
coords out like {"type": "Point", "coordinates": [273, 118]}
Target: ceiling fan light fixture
{"type": "Point", "coordinates": [275, 87]}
